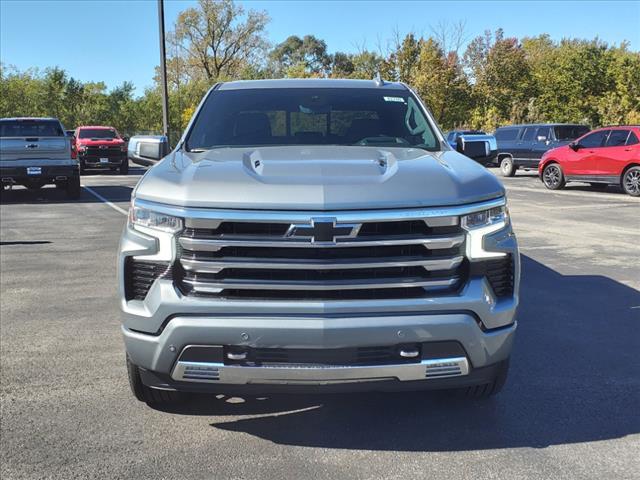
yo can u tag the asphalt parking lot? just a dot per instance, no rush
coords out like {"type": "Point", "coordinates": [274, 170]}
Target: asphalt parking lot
{"type": "Point", "coordinates": [570, 408]}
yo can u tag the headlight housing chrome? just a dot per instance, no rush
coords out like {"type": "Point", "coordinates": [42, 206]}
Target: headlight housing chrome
{"type": "Point", "coordinates": [144, 217]}
{"type": "Point", "coordinates": [482, 223]}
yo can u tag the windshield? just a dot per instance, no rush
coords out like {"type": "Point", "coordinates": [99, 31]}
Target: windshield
{"type": "Point", "coordinates": [570, 132]}
{"type": "Point", "coordinates": [98, 133]}
{"type": "Point", "coordinates": [311, 116]}
{"type": "Point", "coordinates": [30, 128]}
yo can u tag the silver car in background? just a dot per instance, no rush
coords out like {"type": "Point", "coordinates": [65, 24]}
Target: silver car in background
{"type": "Point", "coordinates": [316, 235]}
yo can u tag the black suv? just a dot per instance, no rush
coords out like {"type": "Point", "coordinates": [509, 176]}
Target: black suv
{"type": "Point", "coordinates": [522, 146]}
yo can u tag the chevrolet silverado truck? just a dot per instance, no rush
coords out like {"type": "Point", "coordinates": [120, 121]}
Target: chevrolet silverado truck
{"type": "Point", "coordinates": [100, 147]}
{"type": "Point", "coordinates": [35, 152]}
{"type": "Point", "coordinates": [316, 236]}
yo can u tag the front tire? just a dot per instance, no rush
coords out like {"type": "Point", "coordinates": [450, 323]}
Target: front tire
{"type": "Point", "coordinates": [124, 167]}
{"type": "Point", "coordinates": [151, 396]}
{"type": "Point", "coordinates": [631, 182]}
{"type": "Point", "coordinates": [73, 187]}
{"type": "Point", "coordinates": [552, 177]}
{"type": "Point", "coordinates": [507, 168]}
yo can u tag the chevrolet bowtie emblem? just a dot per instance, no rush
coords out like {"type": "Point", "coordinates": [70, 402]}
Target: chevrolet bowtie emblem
{"type": "Point", "coordinates": [323, 230]}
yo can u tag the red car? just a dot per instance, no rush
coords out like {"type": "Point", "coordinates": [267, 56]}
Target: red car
{"type": "Point", "coordinates": [99, 147]}
{"type": "Point", "coordinates": [606, 156]}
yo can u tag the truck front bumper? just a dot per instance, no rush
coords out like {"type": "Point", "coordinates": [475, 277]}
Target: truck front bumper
{"type": "Point", "coordinates": [159, 355]}
{"type": "Point", "coordinates": [96, 162]}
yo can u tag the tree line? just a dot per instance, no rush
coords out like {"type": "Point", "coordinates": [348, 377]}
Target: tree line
{"type": "Point", "coordinates": [494, 80]}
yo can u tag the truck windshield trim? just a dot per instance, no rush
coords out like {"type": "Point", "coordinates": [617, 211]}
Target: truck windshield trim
{"type": "Point", "coordinates": [312, 117]}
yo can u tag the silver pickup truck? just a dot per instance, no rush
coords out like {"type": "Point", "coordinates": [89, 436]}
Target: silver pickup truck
{"type": "Point", "coordinates": [35, 152]}
{"type": "Point", "coordinates": [316, 235]}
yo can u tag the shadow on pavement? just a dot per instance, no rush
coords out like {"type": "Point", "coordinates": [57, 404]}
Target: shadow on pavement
{"type": "Point", "coordinates": [46, 195]}
{"type": "Point", "coordinates": [574, 378]}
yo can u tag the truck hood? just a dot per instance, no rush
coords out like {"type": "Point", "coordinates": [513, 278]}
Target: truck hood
{"type": "Point", "coordinates": [317, 178]}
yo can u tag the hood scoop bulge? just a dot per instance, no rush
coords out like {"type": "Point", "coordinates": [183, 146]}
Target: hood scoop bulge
{"type": "Point", "coordinates": [309, 166]}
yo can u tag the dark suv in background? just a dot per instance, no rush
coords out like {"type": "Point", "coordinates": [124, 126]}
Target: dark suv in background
{"type": "Point", "coordinates": [522, 146]}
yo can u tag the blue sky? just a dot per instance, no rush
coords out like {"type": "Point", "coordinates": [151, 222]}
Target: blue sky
{"type": "Point", "coordinates": [114, 41]}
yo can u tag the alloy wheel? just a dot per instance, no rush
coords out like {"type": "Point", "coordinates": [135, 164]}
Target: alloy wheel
{"type": "Point", "coordinates": [632, 181]}
{"type": "Point", "coordinates": [552, 176]}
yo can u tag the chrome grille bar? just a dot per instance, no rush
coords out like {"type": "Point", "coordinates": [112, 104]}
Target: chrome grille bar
{"type": "Point", "coordinates": [215, 286]}
{"type": "Point", "coordinates": [217, 265]}
{"type": "Point", "coordinates": [215, 244]}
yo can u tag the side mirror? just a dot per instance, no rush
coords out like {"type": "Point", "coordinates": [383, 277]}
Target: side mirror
{"type": "Point", "coordinates": [474, 149]}
{"type": "Point", "coordinates": [126, 139]}
{"type": "Point", "coordinates": [542, 138]}
{"type": "Point", "coordinates": [148, 149]}
{"type": "Point", "coordinates": [575, 146]}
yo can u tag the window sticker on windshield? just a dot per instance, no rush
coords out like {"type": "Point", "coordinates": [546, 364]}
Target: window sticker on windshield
{"type": "Point", "coordinates": [394, 99]}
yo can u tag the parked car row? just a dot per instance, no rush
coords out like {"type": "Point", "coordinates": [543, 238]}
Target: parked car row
{"type": "Point", "coordinates": [560, 152]}
{"type": "Point", "coordinates": [38, 151]}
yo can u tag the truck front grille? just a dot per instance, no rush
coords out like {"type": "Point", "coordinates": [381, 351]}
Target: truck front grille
{"type": "Point", "coordinates": [364, 260]}
{"type": "Point", "coordinates": [108, 152]}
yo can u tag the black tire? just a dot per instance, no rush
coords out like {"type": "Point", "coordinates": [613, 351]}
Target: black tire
{"type": "Point", "coordinates": [631, 182]}
{"type": "Point", "coordinates": [151, 396]}
{"type": "Point", "coordinates": [124, 167]}
{"type": "Point", "coordinates": [599, 186]}
{"type": "Point", "coordinates": [73, 187]}
{"type": "Point", "coordinates": [486, 390]}
{"type": "Point", "coordinates": [552, 177]}
{"type": "Point", "coordinates": [507, 168]}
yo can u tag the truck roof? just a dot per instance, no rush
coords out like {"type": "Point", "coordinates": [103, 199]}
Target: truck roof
{"type": "Point", "coordinates": [97, 127]}
{"type": "Point", "coordinates": [309, 83]}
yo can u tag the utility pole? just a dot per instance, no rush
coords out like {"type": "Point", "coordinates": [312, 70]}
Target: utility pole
{"type": "Point", "coordinates": [163, 72]}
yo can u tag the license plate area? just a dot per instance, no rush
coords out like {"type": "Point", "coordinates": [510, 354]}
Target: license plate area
{"type": "Point", "coordinates": [34, 170]}
{"type": "Point", "coordinates": [104, 160]}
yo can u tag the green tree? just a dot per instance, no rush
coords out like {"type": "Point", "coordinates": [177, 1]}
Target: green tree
{"type": "Point", "coordinates": [300, 57]}
{"type": "Point", "coordinates": [217, 39]}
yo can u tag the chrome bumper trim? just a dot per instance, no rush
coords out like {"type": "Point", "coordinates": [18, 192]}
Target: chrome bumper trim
{"type": "Point", "coordinates": [316, 374]}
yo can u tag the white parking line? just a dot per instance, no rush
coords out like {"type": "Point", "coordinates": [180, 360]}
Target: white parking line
{"type": "Point", "coordinates": [101, 198]}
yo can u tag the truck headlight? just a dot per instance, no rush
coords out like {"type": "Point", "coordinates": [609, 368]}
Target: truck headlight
{"type": "Point", "coordinates": [143, 217]}
{"type": "Point", "coordinates": [480, 224]}
{"type": "Point", "coordinates": [485, 218]}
